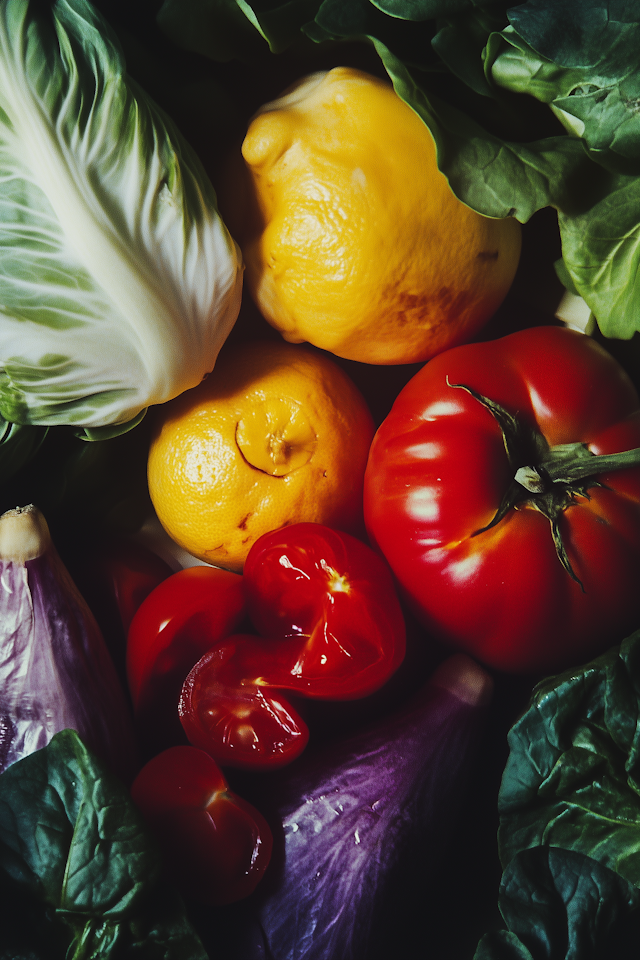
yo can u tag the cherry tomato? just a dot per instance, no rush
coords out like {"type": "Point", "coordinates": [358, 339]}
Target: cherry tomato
{"type": "Point", "coordinates": [509, 538]}
{"type": "Point", "coordinates": [229, 709]}
{"type": "Point", "coordinates": [178, 622]}
{"type": "Point", "coordinates": [131, 572]}
{"type": "Point", "coordinates": [114, 578]}
{"type": "Point", "coordinates": [331, 628]}
{"type": "Point", "coordinates": [336, 597]}
{"type": "Point", "coordinates": [216, 845]}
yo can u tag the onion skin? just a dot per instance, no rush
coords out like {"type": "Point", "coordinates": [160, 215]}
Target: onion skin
{"type": "Point", "coordinates": [55, 670]}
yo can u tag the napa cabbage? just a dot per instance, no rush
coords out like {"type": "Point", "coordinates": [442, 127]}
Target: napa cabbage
{"type": "Point", "coordinates": [119, 281]}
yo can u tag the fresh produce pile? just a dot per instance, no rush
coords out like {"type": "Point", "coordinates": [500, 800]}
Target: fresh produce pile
{"type": "Point", "coordinates": [282, 291]}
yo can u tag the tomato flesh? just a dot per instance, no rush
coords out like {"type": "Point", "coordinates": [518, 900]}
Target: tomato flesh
{"type": "Point", "coordinates": [228, 709]}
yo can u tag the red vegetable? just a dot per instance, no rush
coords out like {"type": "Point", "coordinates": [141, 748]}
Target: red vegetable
{"type": "Point", "coordinates": [182, 618]}
{"type": "Point", "coordinates": [332, 628]}
{"type": "Point", "coordinates": [336, 597]}
{"type": "Point", "coordinates": [230, 710]}
{"type": "Point", "coordinates": [217, 846]}
{"type": "Point", "coordinates": [509, 544]}
{"type": "Point", "coordinates": [130, 572]}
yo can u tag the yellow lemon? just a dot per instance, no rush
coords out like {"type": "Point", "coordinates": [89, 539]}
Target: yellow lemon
{"type": "Point", "coordinates": [275, 435]}
{"type": "Point", "coordinates": [352, 238]}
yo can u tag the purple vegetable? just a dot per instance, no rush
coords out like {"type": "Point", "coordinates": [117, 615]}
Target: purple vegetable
{"type": "Point", "coordinates": [55, 670]}
{"type": "Point", "coordinates": [352, 814]}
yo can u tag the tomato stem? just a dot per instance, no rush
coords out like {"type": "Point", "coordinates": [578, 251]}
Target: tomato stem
{"type": "Point", "coordinates": [582, 468]}
{"type": "Point", "coordinates": [547, 479]}
{"type": "Point", "coordinates": [530, 479]}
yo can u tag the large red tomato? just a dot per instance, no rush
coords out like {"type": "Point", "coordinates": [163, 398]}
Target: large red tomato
{"type": "Point", "coordinates": [508, 536]}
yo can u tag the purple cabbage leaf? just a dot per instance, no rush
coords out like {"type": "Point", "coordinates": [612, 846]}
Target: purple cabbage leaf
{"type": "Point", "coordinates": [362, 813]}
{"type": "Point", "coordinates": [56, 672]}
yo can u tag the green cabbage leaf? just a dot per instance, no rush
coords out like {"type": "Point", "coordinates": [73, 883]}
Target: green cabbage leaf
{"type": "Point", "coordinates": [119, 282]}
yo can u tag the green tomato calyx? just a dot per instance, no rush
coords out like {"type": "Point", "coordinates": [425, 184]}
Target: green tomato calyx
{"type": "Point", "coordinates": [547, 479]}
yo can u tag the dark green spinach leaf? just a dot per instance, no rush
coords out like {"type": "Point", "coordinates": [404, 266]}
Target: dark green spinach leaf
{"type": "Point", "coordinates": [359, 19]}
{"type": "Point", "coordinates": [595, 101]}
{"type": "Point", "coordinates": [561, 905]}
{"type": "Point", "coordinates": [421, 9]}
{"type": "Point", "coordinates": [460, 42]}
{"type": "Point", "coordinates": [75, 852]}
{"type": "Point", "coordinates": [596, 34]}
{"type": "Point", "coordinates": [569, 835]}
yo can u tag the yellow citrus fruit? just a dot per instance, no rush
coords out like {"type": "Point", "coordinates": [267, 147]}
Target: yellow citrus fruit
{"type": "Point", "coordinates": [277, 434]}
{"type": "Point", "coordinates": [352, 238]}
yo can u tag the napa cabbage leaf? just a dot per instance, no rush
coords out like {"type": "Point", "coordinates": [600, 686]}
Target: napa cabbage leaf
{"type": "Point", "coordinates": [119, 282]}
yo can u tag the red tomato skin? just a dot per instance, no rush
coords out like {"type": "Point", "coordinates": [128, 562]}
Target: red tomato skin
{"type": "Point", "coordinates": [217, 846]}
{"type": "Point", "coordinates": [178, 622]}
{"type": "Point", "coordinates": [436, 474]}
{"type": "Point", "coordinates": [331, 627]}
{"type": "Point", "coordinates": [335, 596]}
{"type": "Point", "coordinates": [115, 577]}
{"type": "Point", "coordinates": [131, 572]}
{"type": "Point", "coordinates": [227, 708]}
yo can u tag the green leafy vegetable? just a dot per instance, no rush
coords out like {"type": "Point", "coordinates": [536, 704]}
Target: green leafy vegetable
{"type": "Point", "coordinates": [601, 252]}
{"type": "Point", "coordinates": [219, 29]}
{"type": "Point", "coordinates": [75, 853]}
{"type": "Point", "coordinates": [119, 280]}
{"type": "Point", "coordinates": [510, 178]}
{"type": "Point", "coordinates": [460, 42]}
{"type": "Point", "coordinates": [561, 904]}
{"type": "Point", "coordinates": [591, 34]}
{"type": "Point", "coordinates": [279, 23]}
{"type": "Point", "coordinates": [18, 444]}
{"type": "Point", "coordinates": [593, 102]}
{"type": "Point", "coordinates": [569, 803]}
{"type": "Point", "coordinates": [410, 42]}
